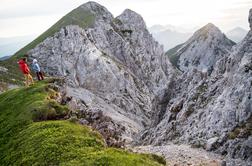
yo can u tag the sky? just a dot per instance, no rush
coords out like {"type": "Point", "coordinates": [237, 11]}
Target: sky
{"type": "Point", "coordinates": [32, 17]}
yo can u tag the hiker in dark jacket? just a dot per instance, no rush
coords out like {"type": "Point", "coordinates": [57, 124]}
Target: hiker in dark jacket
{"type": "Point", "coordinates": [26, 71]}
{"type": "Point", "coordinates": [36, 68]}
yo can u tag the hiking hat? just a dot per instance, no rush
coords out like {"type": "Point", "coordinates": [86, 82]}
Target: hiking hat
{"type": "Point", "coordinates": [34, 61]}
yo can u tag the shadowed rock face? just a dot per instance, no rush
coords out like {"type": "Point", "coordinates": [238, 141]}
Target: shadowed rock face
{"type": "Point", "coordinates": [119, 78]}
{"type": "Point", "coordinates": [212, 110]}
{"type": "Point", "coordinates": [115, 67]}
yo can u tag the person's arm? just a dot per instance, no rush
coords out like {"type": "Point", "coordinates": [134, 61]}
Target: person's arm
{"type": "Point", "coordinates": [27, 68]}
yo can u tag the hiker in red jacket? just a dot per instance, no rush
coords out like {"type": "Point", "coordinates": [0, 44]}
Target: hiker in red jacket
{"type": "Point", "coordinates": [26, 71]}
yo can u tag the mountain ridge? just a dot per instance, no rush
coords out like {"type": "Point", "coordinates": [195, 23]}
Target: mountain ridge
{"type": "Point", "coordinates": [169, 37]}
{"type": "Point", "coordinates": [134, 72]}
{"type": "Point", "coordinates": [118, 80]}
{"type": "Point", "coordinates": [212, 110]}
{"type": "Point", "coordinates": [38, 133]}
{"type": "Point", "coordinates": [237, 34]}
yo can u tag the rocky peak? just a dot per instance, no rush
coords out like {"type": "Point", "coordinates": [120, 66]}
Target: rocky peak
{"type": "Point", "coordinates": [210, 26]}
{"type": "Point", "coordinates": [99, 11]}
{"type": "Point", "coordinates": [209, 109]}
{"type": "Point", "coordinates": [250, 19]}
{"type": "Point", "coordinates": [132, 19]}
{"type": "Point", "coordinates": [202, 50]}
{"type": "Point", "coordinates": [209, 30]}
{"type": "Point", "coordinates": [114, 66]}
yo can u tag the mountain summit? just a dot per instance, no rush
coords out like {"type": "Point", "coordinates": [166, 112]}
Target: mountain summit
{"type": "Point", "coordinates": [169, 36]}
{"type": "Point", "coordinates": [113, 67]}
{"type": "Point", "coordinates": [132, 18]}
{"type": "Point", "coordinates": [202, 50]}
{"type": "Point", "coordinates": [210, 110]}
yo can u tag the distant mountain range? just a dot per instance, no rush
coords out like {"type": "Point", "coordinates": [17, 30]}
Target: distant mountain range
{"type": "Point", "coordinates": [170, 36]}
{"type": "Point", "coordinates": [237, 34]}
{"type": "Point", "coordinates": [202, 50]}
{"type": "Point", "coordinates": [159, 28]}
{"type": "Point", "coordinates": [8, 46]}
{"type": "Point", "coordinates": [4, 58]}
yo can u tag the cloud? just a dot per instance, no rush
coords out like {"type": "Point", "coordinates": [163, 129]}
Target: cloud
{"type": "Point", "coordinates": [18, 16]}
{"type": "Point", "coordinates": [26, 8]}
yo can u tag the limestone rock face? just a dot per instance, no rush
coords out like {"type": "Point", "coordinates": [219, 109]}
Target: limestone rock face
{"type": "Point", "coordinates": [202, 50]}
{"type": "Point", "coordinates": [115, 66]}
{"type": "Point", "coordinates": [119, 80]}
{"type": "Point", "coordinates": [212, 110]}
{"type": "Point", "coordinates": [235, 99]}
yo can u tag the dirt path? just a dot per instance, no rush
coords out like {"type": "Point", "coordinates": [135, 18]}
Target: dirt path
{"type": "Point", "coordinates": [183, 155]}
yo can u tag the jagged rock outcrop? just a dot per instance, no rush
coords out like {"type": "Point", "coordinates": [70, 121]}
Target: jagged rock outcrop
{"type": "Point", "coordinates": [113, 66]}
{"type": "Point", "coordinates": [202, 50]}
{"type": "Point", "coordinates": [213, 110]}
{"type": "Point", "coordinates": [236, 100]}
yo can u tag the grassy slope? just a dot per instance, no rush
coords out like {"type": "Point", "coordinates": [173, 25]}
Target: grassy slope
{"type": "Point", "coordinates": [78, 16]}
{"type": "Point", "coordinates": [28, 140]}
{"type": "Point", "coordinates": [173, 56]}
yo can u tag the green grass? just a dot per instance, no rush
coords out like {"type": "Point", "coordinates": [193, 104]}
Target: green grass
{"type": "Point", "coordinates": [13, 76]}
{"type": "Point", "coordinates": [174, 58]}
{"type": "Point", "coordinates": [32, 135]}
{"type": "Point", "coordinates": [78, 16]}
{"type": "Point", "coordinates": [3, 87]}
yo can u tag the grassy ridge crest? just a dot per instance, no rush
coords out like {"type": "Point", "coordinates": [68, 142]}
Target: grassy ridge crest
{"type": "Point", "coordinates": [32, 135]}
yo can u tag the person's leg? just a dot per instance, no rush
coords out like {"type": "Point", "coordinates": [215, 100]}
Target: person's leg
{"type": "Point", "coordinates": [26, 80]}
{"type": "Point", "coordinates": [38, 75]}
{"type": "Point", "coordinates": [41, 75]}
{"type": "Point", "coordinates": [30, 78]}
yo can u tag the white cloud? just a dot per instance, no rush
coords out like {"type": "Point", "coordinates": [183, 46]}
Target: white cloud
{"type": "Point", "coordinates": [24, 17]}
{"type": "Point", "coordinates": [25, 26]}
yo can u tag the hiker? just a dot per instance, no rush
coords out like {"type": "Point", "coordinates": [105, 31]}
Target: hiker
{"type": "Point", "coordinates": [36, 68]}
{"type": "Point", "coordinates": [26, 71]}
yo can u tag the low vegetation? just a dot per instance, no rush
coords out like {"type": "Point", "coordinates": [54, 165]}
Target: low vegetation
{"type": "Point", "coordinates": [33, 132]}
{"type": "Point", "coordinates": [174, 58]}
{"type": "Point", "coordinates": [244, 130]}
